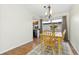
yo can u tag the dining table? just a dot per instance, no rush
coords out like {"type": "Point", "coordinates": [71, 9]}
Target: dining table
{"type": "Point", "coordinates": [57, 35]}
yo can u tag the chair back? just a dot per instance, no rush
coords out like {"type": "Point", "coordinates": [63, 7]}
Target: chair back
{"type": "Point", "coordinates": [46, 37]}
{"type": "Point", "coordinates": [64, 32]}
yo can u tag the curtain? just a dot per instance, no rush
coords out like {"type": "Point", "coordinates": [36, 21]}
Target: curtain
{"type": "Point", "coordinates": [40, 25]}
{"type": "Point", "coordinates": [64, 26]}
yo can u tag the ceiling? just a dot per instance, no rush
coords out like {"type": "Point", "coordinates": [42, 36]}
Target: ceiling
{"type": "Point", "coordinates": [39, 11]}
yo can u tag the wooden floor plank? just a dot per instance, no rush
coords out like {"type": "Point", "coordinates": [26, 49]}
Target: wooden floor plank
{"type": "Point", "coordinates": [24, 49]}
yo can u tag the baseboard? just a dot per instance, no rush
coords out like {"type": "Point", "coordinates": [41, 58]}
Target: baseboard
{"type": "Point", "coordinates": [13, 47]}
{"type": "Point", "coordinates": [74, 47]}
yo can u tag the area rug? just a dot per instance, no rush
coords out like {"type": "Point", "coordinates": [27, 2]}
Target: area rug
{"type": "Point", "coordinates": [37, 51]}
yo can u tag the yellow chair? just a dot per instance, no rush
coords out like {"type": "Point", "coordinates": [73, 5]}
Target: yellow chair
{"type": "Point", "coordinates": [63, 34]}
{"type": "Point", "coordinates": [47, 40]}
{"type": "Point", "coordinates": [61, 41]}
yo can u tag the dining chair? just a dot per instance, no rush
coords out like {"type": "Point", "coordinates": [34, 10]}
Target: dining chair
{"type": "Point", "coordinates": [61, 41]}
{"type": "Point", "coordinates": [47, 41]}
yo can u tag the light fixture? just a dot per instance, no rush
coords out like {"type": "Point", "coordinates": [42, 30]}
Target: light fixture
{"type": "Point", "coordinates": [48, 13]}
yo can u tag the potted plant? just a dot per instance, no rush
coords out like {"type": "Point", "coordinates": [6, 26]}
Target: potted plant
{"type": "Point", "coordinates": [53, 27]}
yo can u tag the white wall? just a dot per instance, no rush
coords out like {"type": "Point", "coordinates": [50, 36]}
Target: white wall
{"type": "Point", "coordinates": [74, 26]}
{"type": "Point", "coordinates": [15, 26]}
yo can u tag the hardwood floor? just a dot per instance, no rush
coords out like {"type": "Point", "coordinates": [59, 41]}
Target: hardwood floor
{"type": "Point", "coordinates": [22, 50]}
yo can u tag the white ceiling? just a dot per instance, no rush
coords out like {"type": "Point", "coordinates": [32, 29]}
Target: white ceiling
{"type": "Point", "coordinates": [39, 10]}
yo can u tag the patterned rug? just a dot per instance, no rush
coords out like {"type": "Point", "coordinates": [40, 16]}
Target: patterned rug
{"type": "Point", "coordinates": [37, 51]}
